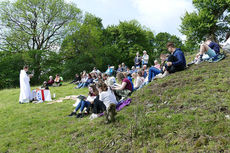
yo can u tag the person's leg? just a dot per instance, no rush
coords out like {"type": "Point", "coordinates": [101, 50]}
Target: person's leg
{"type": "Point", "coordinates": [76, 109]}
{"type": "Point", "coordinates": [152, 73]}
{"type": "Point", "coordinates": [83, 105]}
{"type": "Point", "coordinates": [211, 53]}
{"type": "Point", "coordinates": [203, 49]}
{"type": "Point", "coordinates": [79, 105]}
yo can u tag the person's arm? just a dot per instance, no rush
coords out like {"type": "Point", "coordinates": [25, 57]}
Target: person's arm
{"type": "Point", "coordinates": [123, 85]}
{"type": "Point", "coordinates": [179, 61]}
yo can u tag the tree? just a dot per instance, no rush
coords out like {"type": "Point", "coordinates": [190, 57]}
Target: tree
{"type": "Point", "coordinates": [160, 41]}
{"type": "Point", "coordinates": [128, 38]}
{"type": "Point", "coordinates": [82, 49]}
{"type": "Point", "coordinates": [35, 24]}
{"type": "Point", "coordinates": [211, 19]}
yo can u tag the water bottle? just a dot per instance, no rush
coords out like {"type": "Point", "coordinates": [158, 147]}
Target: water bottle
{"type": "Point", "coordinates": [54, 95]}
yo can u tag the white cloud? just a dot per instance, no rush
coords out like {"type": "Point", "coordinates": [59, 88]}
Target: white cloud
{"type": "Point", "coordinates": [162, 15]}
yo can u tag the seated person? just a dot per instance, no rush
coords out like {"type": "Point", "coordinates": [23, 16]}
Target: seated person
{"type": "Point", "coordinates": [109, 81]}
{"type": "Point", "coordinates": [226, 44]}
{"type": "Point", "coordinates": [88, 81]}
{"type": "Point", "coordinates": [138, 80]}
{"type": "Point", "coordinates": [124, 67]}
{"type": "Point", "coordinates": [77, 79]}
{"type": "Point", "coordinates": [123, 90]}
{"type": "Point", "coordinates": [108, 98]}
{"type": "Point", "coordinates": [50, 82]}
{"type": "Point", "coordinates": [84, 78]}
{"type": "Point", "coordinates": [109, 71]}
{"type": "Point", "coordinates": [143, 70]}
{"type": "Point", "coordinates": [179, 64]}
{"type": "Point", "coordinates": [85, 103]}
{"type": "Point", "coordinates": [146, 80]}
{"type": "Point", "coordinates": [129, 76]}
{"type": "Point", "coordinates": [157, 65]}
{"type": "Point", "coordinates": [45, 86]}
{"type": "Point", "coordinates": [133, 70]}
{"type": "Point", "coordinates": [95, 70]}
{"type": "Point", "coordinates": [210, 48]}
{"type": "Point", "coordinates": [58, 81]}
{"type": "Point", "coordinates": [119, 68]}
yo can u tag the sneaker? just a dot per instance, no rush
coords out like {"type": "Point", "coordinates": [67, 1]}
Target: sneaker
{"type": "Point", "coordinates": [199, 60]}
{"type": "Point", "coordinates": [112, 112]}
{"type": "Point", "coordinates": [166, 73]}
{"type": "Point", "coordinates": [80, 115]}
{"type": "Point", "coordinates": [73, 113]}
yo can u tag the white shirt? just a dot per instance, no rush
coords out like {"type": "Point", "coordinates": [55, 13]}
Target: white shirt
{"type": "Point", "coordinates": [145, 58]}
{"type": "Point", "coordinates": [108, 98]}
{"type": "Point", "coordinates": [138, 82]}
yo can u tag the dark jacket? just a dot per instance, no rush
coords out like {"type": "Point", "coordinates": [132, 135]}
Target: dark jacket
{"type": "Point", "coordinates": [180, 58]}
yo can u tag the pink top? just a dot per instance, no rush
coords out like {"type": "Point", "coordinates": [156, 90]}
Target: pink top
{"type": "Point", "coordinates": [158, 66]}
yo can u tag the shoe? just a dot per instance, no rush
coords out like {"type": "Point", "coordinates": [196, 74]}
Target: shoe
{"type": "Point", "coordinates": [166, 73]}
{"type": "Point", "coordinates": [73, 113]}
{"type": "Point", "coordinates": [80, 115]}
{"type": "Point", "coordinates": [199, 60]}
{"type": "Point", "coordinates": [158, 76]}
{"type": "Point", "coordinates": [106, 117]}
{"type": "Point", "coordinates": [112, 112]}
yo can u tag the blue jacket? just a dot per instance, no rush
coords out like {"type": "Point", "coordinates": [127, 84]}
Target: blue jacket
{"type": "Point", "coordinates": [180, 58]}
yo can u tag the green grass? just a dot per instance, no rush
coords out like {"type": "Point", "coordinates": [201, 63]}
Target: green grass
{"type": "Point", "coordinates": [185, 112]}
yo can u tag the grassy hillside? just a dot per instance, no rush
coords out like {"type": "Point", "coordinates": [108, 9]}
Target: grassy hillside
{"type": "Point", "coordinates": [185, 112]}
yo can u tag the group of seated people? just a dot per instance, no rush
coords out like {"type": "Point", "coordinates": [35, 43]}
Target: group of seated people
{"type": "Point", "coordinates": [105, 92]}
{"type": "Point", "coordinates": [53, 82]}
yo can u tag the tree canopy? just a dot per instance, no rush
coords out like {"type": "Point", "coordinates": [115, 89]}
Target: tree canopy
{"type": "Point", "coordinates": [35, 24]}
{"type": "Point", "coordinates": [210, 19]}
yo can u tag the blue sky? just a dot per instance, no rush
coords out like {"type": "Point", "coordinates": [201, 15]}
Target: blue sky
{"type": "Point", "coordinates": [158, 15]}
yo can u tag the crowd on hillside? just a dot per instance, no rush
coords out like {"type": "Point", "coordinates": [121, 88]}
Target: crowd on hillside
{"type": "Point", "coordinates": [106, 91]}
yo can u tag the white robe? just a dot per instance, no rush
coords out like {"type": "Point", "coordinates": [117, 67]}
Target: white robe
{"type": "Point", "coordinates": [25, 93]}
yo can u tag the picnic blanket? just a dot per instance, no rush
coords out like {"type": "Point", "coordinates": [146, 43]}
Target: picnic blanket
{"type": "Point", "coordinates": [217, 58]}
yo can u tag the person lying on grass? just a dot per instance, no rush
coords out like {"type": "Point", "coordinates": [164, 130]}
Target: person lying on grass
{"type": "Point", "coordinates": [85, 102]}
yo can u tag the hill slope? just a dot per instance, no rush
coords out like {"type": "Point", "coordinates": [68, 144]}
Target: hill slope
{"type": "Point", "coordinates": [185, 112]}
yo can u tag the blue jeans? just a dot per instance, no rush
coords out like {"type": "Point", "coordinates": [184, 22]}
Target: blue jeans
{"type": "Point", "coordinates": [82, 105]}
{"type": "Point", "coordinates": [152, 73]}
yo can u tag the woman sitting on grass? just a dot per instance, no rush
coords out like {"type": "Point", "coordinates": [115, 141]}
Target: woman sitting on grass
{"type": "Point", "coordinates": [138, 80]}
{"type": "Point", "coordinates": [123, 90]}
{"type": "Point", "coordinates": [108, 98]}
{"type": "Point", "coordinates": [86, 102]}
{"type": "Point", "coordinates": [58, 81]}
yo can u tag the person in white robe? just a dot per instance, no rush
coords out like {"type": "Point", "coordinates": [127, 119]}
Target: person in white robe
{"type": "Point", "coordinates": [25, 92]}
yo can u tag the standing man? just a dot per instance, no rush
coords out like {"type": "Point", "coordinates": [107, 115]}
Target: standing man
{"type": "Point", "coordinates": [25, 93]}
{"type": "Point", "coordinates": [145, 58]}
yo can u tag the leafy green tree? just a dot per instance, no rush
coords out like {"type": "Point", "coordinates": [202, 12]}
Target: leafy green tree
{"type": "Point", "coordinates": [211, 19]}
{"type": "Point", "coordinates": [36, 24]}
{"type": "Point", "coordinates": [128, 38]}
{"type": "Point", "coordinates": [160, 41]}
{"type": "Point", "coordinates": [81, 50]}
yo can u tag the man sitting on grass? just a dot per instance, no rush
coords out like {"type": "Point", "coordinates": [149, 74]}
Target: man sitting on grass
{"type": "Point", "coordinates": [179, 63]}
